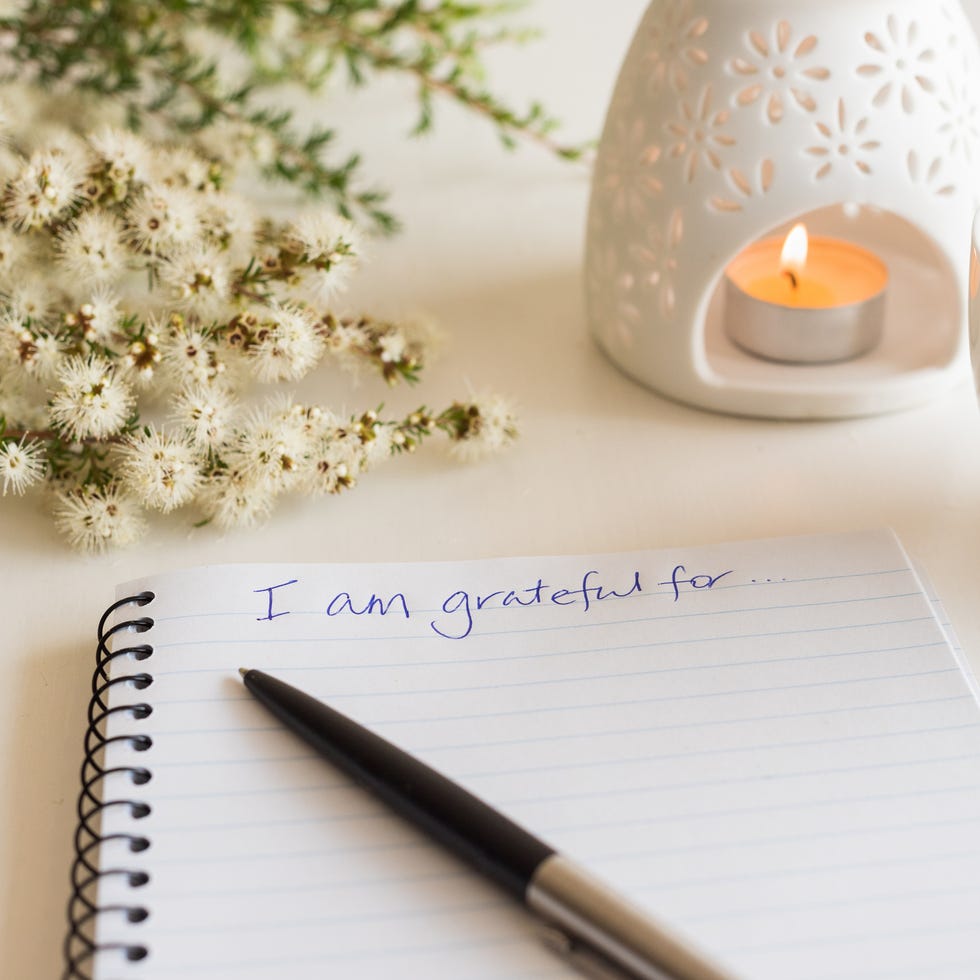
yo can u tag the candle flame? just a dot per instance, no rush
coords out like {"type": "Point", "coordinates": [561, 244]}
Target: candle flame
{"type": "Point", "coordinates": [795, 250]}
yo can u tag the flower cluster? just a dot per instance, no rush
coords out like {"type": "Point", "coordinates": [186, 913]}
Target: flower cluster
{"type": "Point", "coordinates": [140, 299]}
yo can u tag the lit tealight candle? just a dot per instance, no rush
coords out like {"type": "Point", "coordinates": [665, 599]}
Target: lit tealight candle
{"type": "Point", "coordinates": [805, 301]}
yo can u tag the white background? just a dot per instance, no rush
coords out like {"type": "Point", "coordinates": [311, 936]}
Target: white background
{"type": "Point", "coordinates": [492, 250]}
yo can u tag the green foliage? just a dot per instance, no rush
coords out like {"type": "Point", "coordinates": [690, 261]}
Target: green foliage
{"type": "Point", "coordinates": [153, 59]}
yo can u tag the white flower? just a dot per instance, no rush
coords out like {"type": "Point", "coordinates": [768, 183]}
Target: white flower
{"type": "Point", "coordinates": [161, 219]}
{"type": "Point", "coordinates": [347, 336]}
{"type": "Point", "coordinates": [96, 518]}
{"type": "Point", "coordinates": [159, 470]}
{"type": "Point", "coordinates": [272, 451]}
{"type": "Point", "coordinates": [287, 345]}
{"type": "Point", "coordinates": [91, 248]}
{"type": "Point", "coordinates": [93, 400]}
{"type": "Point", "coordinates": [35, 352]}
{"type": "Point", "coordinates": [47, 185]}
{"type": "Point", "coordinates": [21, 465]}
{"type": "Point", "coordinates": [392, 346]}
{"type": "Point", "coordinates": [39, 354]}
{"type": "Point", "coordinates": [378, 443]}
{"type": "Point", "coordinates": [205, 414]}
{"type": "Point", "coordinates": [309, 421]}
{"type": "Point", "coordinates": [341, 451]}
{"type": "Point", "coordinates": [396, 348]}
{"type": "Point", "coordinates": [197, 277]}
{"type": "Point", "coordinates": [98, 317]}
{"type": "Point", "coordinates": [233, 499]}
{"type": "Point", "coordinates": [11, 330]}
{"type": "Point", "coordinates": [227, 141]}
{"type": "Point", "coordinates": [488, 425]}
{"type": "Point", "coordinates": [230, 223]}
{"type": "Point", "coordinates": [30, 297]}
{"type": "Point", "coordinates": [142, 357]}
{"type": "Point", "coordinates": [179, 166]}
{"type": "Point", "coordinates": [192, 357]}
{"type": "Point", "coordinates": [124, 156]}
{"type": "Point", "coordinates": [325, 236]}
{"type": "Point", "coordinates": [48, 357]}
{"type": "Point", "coordinates": [336, 461]}
{"type": "Point", "coordinates": [331, 250]}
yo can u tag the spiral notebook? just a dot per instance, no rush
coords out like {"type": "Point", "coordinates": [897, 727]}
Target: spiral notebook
{"type": "Point", "coordinates": [774, 746]}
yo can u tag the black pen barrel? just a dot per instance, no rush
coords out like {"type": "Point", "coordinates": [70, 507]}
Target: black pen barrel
{"type": "Point", "coordinates": [457, 819]}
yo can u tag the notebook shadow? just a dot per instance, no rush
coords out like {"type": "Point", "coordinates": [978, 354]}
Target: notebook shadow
{"type": "Point", "coordinates": [47, 697]}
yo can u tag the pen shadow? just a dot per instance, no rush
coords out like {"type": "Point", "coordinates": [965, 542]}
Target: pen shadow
{"type": "Point", "coordinates": [51, 689]}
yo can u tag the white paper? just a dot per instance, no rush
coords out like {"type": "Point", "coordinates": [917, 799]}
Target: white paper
{"type": "Point", "coordinates": [770, 745]}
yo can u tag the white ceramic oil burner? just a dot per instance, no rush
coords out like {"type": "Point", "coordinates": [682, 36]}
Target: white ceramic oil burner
{"type": "Point", "coordinates": [734, 122]}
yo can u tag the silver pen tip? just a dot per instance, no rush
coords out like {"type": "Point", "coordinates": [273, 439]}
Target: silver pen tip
{"type": "Point", "coordinates": [244, 670]}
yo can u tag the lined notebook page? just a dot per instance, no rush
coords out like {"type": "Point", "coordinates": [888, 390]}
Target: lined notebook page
{"type": "Point", "coordinates": [770, 745]}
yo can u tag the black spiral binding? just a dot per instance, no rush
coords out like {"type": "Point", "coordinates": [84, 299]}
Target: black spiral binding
{"type": "Point", "coordinates": [83, 911]}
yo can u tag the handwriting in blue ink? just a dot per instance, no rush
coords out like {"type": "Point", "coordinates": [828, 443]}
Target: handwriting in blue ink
{"type": "Point", "coordinates": [343, 603]}
{"type": "Point", "coordinates": [460, 607]}
{"type": "Point", "coordinates": [270, 589]}
{"type": "Point", "coordinates": [459, 614]}
{"type": "Point", "coordinates": [699, 582]}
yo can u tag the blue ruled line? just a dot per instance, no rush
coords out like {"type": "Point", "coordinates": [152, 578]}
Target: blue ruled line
{"type": "Point", "coordinates": [385, 816]}
{"type": "Point", "coordinates": [578, 707]}
{"type": "Point", "coordinates": [321, 787]}
{"type": "Point", "coordinates": [564, 766]}
{"type": "Point", "coordinates": [602, 732]}
{"type": "Point", "coordinates": [587, 651]}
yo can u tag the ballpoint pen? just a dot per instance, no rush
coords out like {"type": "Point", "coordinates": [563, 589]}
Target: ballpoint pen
{"type": "Point", "coordinates": [588, 922]}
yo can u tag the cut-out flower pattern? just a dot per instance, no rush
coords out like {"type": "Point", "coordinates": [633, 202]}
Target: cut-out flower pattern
{"type": "Point", "coordinates": [744, 187]}
{"type": "Point", "coordinates": [929, 174]}
{"type": "Point", "coordinates": [626, 172]}
{"type": "Point", "coordinates": [698, 134]}
{"type": "Point", "coordinates": [626, 312]}
{"type": "Point", "coordinates": [656, 261]}
{"type": "Point", "coordinates": [954, 23]}
{"type": "Point", "coordinates": [611, 289]}
{"type": "Point", "coordinates": [844, 143]}
{"type": "Point", "coordinates": [961, 128]}
{"type": "Point", "coordinates": [674, 44]}
{"type": "Point", "coordinates": [778, 71]}
{"type": "Point", "coordinates": [903, 63]}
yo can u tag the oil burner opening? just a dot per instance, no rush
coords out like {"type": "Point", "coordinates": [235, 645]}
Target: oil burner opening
{"type": "Point", "coordinates": [869, 320]}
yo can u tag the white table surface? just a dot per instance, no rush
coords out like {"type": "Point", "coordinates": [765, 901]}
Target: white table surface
{"type": "Point", "coordinates": [492, 250]}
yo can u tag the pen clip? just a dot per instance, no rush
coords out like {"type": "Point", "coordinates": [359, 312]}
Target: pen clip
{"type": "Point", "coordinates": [583, 958]}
